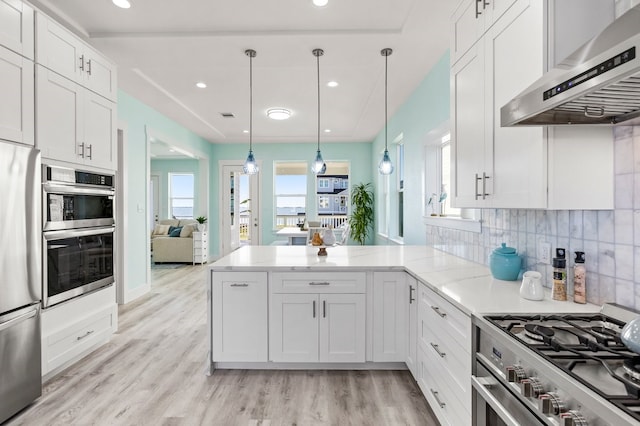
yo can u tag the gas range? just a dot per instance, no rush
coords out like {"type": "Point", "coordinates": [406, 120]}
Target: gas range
{"type": "Point", "coordinates": [556, 369]}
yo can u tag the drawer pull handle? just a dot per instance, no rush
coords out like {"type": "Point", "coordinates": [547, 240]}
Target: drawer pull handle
{"type": "Point", "coordinates": [90, 149]}
{"type": "Point", "coordinates": [411, 298]}
{"type": "Point", "coordinates": [314, 308]}
{"type": "Point", "coordinates": [81, 59]}
{"type": "Point", "coordinates": [89, 67]}
{"type": "Point", "coordinates": [437, 309]}
{"type": "Point", "coordinates": [319, 283]}
{"type": "Point", "coordinates": [435, 395]}
{"type": "Point", "coordinates": [324, 309]}
{"type": "Point", "coordinates": [478, 13]}
{"type": "Point", "coordinates": [239, 285]}
{"type": "Point", "coordinates": [82, 150]}
{"type": "Point", "coordinates": [85, 335]}
{"type": "Point", "coordinates": [435, 347]}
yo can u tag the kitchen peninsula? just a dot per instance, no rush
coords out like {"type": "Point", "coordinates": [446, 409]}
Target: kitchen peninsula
{"type": "Point", "coordinates": [360, 307]}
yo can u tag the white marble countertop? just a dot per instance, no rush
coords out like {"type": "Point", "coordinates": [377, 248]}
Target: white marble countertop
{"type": "Point", "coordinates": [466, 284]}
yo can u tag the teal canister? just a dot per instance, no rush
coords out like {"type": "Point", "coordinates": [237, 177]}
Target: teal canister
{"type": "Point", "coordinates": [504, 263]}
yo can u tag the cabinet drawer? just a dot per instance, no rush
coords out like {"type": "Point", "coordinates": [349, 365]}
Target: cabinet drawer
{"type": "Point", "coordinates": [442, 399]}
{"type": "Point", "coordinates": [69, 342]}
{"type": "Point", "coordinates": [316, 282]}
{"type": "Point", "coordinates": [444, 317]}
{"type": "Point", "coordinates": [199, 244]}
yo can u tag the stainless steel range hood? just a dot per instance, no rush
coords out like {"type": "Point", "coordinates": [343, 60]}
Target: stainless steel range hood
{"type": "Point", "coordinates": [602, 87]}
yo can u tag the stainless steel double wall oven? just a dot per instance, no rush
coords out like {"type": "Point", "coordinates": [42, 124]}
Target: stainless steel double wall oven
{"type": "Point", "coordinates": [78, 232]}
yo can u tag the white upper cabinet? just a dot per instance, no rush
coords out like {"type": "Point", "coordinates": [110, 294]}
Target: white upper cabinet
{"type": "Point", "coordinates": [74, 124]}
{"type": "Point", "coordinates": [61, 51]}
{"type": "Point", "coordinates": [470, 20]}
{"type": "Point", "coordinates": [17, 106]}
{"type": "Point", "coordinates": [16, 27]}
{"type": "Point", "coordinates": [522, 167]}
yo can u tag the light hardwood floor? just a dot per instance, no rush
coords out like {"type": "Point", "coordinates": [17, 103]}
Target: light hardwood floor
{"type": "Point", "coordinates": [152, 372]}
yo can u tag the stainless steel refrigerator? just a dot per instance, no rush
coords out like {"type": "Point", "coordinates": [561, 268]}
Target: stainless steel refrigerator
{"type": "Point", "coordinates": [20, 278]}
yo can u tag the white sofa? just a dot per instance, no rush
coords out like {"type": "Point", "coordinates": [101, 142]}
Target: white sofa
{"type": "Point", "coordinates": [173, 249]}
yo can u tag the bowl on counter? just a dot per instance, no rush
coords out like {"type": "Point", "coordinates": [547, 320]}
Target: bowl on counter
{"type": "Point", "coordinates": [504, 263]}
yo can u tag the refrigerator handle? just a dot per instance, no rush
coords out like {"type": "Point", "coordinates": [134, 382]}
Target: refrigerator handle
{"type": "Point", "coordinates": [16, 320]}
{"type": "Point", "coordinates": [34, 228]}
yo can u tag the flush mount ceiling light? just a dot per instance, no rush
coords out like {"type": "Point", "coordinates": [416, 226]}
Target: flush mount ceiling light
{"type": "Point", "coordinates": [327, 130]}
{"type": "Point", "coordinates": [278, 113]}
{"type": "Point", "coordinates": [320, 3]}
{"type": "Point", "coordinates": [201, 85]}
{"type": "Point", "coordinates": [250, 166]}
{"type": "Point", "coordinates": [332, 84]}
{"type": "Point", "coordinates": [385, 167]}
{"type": "Point", "coordinates": [318, 166]}
{"type": "Point", "coordinates": [124, 4]}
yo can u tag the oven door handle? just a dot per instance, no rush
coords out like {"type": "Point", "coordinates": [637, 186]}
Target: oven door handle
{"type": "Point", "coordinates": [72, 189]}
{"type": "Point", "coordinates": [71, 233]}
{"type": "Point", "coordinates": [481, 385]}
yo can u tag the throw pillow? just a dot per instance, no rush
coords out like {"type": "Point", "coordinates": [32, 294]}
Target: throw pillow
{"type": "Point", "coordinates": [161, 230]}
{"type": "Point", "coordinates": [175, 232]}
{"type": "Point", "coordinates": [187, 231]}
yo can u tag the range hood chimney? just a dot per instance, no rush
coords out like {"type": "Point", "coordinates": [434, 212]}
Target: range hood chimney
{"type": "Point", "coordinates": [602, 87]}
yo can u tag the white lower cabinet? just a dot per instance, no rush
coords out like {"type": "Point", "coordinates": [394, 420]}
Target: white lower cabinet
{"type": "Point", "coordinates": [444, 357]}
{"type": "Point", "coordinates": [317, 317]}
{"type": "Point", "coordinates": [239, 316]}
{"type": "Point", "coordinates": [389, 316]}
{"type": "Point", "coordinates": [411, 313]}
{"type": "Point", "coordinates": [317, 328]}
{"type": "Point", "coordinates": [73, 329]}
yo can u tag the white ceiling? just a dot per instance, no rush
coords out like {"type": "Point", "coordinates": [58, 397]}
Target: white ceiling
{"type": "Point", "coordinates": [162, 48]}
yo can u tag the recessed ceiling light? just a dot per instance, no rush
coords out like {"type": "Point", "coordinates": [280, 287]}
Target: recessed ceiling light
{"type": "Point", "coordinates": [332, 84]}
{"type": "Point", "coordinates": [327, 130]}
{"type": "Point", "coordinates": [124, 4]}
{"type": "Point", "coordinates": [320, 3]}
{"type": "Point", "coordinates": [172, 150]}
{"type": "Point", "coordinates": [245, 131]}
{"type": "Point", "coordinates": [201, 84]}
{"type": "Point", "coordinates": [278, 113]}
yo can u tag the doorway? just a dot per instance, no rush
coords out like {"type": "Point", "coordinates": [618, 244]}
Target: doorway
{"type": "Point", "coordinates": [240, 201]}
{"type": "Point", "coordinates": [154, 192]}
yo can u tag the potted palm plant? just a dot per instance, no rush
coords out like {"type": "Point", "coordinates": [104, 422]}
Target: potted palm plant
{"type": "Point", "coordinates": [361, 219]}
{"type": "Point", "coordinates": [201, 222]}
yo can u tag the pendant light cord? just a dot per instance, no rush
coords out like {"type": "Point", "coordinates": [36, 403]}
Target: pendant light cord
{"type": "Point", "coordinates": [251, 55]}
{"type": "Point", "coordinates": [318, 52]}
{"type": "Point", "coordinates": [386, 60]}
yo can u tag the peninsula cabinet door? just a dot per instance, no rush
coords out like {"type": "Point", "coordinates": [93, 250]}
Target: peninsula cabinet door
{"type": "Point", "coordinates": [342, 327]}
{"type": "Point", "coordinates": [293, 333]}
{"type": "Point", "coordinates": [240, 317]}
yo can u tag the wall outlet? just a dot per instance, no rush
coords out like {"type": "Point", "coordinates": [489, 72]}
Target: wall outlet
{"type": "Point", "coordinates": [544, 252]}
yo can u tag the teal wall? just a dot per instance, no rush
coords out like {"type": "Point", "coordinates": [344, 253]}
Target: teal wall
{"type": "Point", "coordinates": [162, 168]}
{"type": "Point", "coordinates": [426, 109]}
{"type": "Point", "coordinates": [358, 155]}
{"type": "Point", "coordinates": [135, 118]}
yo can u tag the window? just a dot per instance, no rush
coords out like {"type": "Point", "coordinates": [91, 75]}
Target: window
{"type": "Point", "coordinates": [323, 183]}
{"type": "Point", "coordinates": [290, 192]}
{"type": "Point", "coordinates": [323, 202]}
{"type": "Point", "coordinates": [333, 194]}
{"type": "Point", "coordinates": [181, 198]}
{"type": "Point", "coordinates": [445, 178]}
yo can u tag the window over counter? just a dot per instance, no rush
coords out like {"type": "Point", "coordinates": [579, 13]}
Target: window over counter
{"type": "Point", "coordinates": [438, 184]}
{"type": "Point", "coordinates": [181, 195]}
{"type": "Point", "coordinates": [332, 194]}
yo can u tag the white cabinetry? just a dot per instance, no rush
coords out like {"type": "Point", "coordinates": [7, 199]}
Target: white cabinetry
{"type": "Point", "coordinates": [239, 316]}
{"type": "Point", "coordinates": [412, 325]}
{"type": "Point", "coordinates": [72, 329]}
{"type": "Point", "coordinates": [74, 124]}
{"type": "Point", "coordinates": [389, 316]}
{"type": "Point", "coordinates": [518, 167]}
{"type": "Point", "coordinates": [317, 317]}
{"type": "Point", "coordinates": [16, 27]}
{"type": "Point", "coordinates": [200, 247]}
{"type": "Point", "coordinates": [61, 51]}
{"type": "Point", "coordinates": [470, 20]}
{"type": "Point", "coordinates": [17, 104]}
{"type": "Point", "coordinates": [444, 357]}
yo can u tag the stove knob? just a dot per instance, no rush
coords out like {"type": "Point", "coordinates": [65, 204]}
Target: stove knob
{"type": "Point", "coordinates": [515, 374]}
{"type": "Point", "coordinates": [531, 387]}
{"type": "Point", "coordinates": [551, 404]}
{"type": "Point", "coordinates": [572, 418]}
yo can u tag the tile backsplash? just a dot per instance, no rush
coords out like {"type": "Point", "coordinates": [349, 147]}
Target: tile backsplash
{"type": "Point", "coordinates": [610, 239]}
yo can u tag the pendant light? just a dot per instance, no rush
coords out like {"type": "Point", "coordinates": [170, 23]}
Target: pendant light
{"type": "Point", "coordinates": [385, 167]}
{"type": "Point", "coordinates": [250, 166]}
{"type": "Point", "coordinates": [318, 167]}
